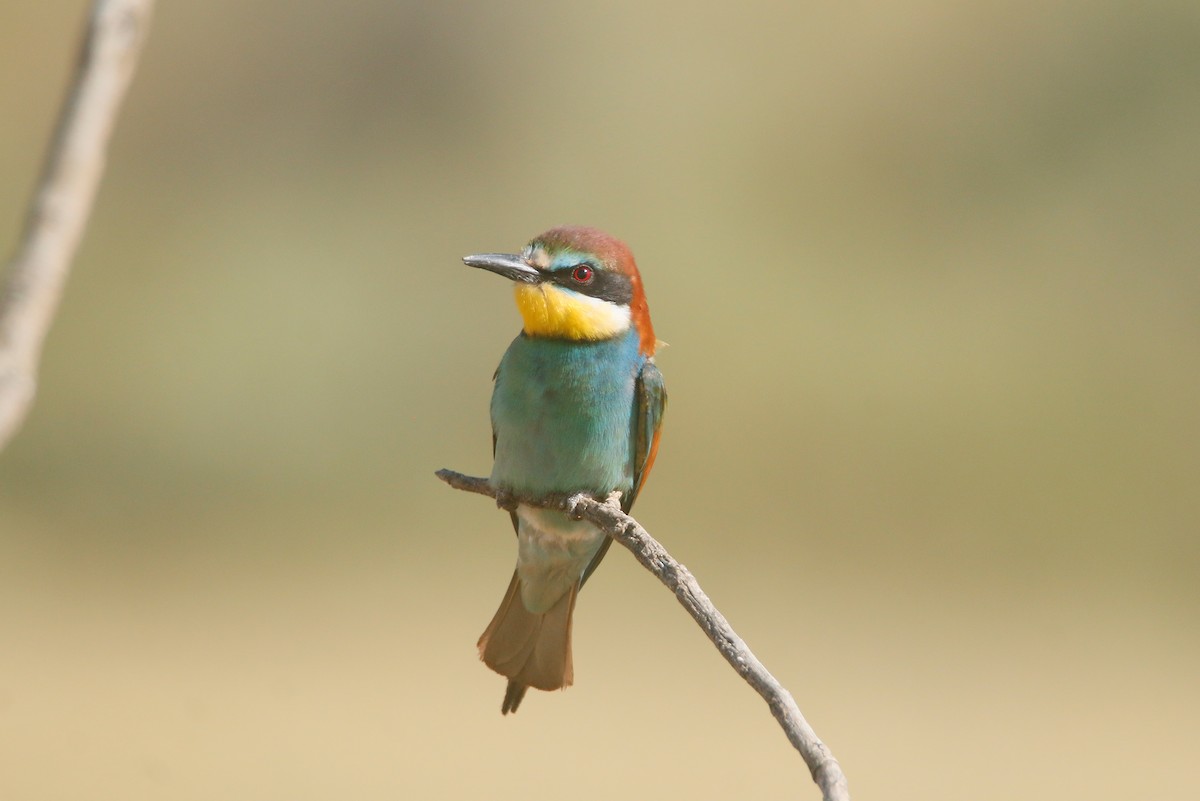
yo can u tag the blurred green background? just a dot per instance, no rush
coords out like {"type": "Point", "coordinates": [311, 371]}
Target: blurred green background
{"type": "Point", "coordinates": [929, 274]}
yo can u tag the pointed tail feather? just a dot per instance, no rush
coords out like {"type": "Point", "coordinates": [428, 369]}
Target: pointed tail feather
{"type": "Point", "coordinates": [513, 694]}
{"type": "Point", "coordinates": [532, 650]}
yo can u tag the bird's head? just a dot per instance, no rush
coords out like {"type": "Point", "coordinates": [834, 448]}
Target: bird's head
{"type": "Point", "coordinates": [575, 283]}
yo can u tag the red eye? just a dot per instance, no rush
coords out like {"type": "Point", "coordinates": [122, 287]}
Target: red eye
{"type": "Point", "coordinates": [583, 274]}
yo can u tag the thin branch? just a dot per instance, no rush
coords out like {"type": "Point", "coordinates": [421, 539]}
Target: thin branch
{"type": "Point", "coordinates": [826, 771]}
{"type": "Point", "coordinates": [62, 202]}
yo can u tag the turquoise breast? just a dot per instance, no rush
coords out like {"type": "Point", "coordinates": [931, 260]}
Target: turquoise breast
{"type": "Point", "coordinates": [562, 413]}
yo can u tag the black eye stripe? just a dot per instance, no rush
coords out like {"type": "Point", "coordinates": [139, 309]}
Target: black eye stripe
{"type": "Point", "coordinates": [605, 285]}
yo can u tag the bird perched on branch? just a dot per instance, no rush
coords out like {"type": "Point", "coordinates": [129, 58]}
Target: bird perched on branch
{"type": "Point", "coordinates": [577, 408]}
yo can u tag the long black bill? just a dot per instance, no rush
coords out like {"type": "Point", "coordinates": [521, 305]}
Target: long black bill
{"type": "Point", "coordinates": [506, 264]}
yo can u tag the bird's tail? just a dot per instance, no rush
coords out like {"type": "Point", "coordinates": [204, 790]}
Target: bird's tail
{"type": "Point", "coordinates": [531, 649]}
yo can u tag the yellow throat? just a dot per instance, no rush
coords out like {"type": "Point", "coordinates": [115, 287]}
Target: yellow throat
{"type": "Point", "coordinates": [551, 311]}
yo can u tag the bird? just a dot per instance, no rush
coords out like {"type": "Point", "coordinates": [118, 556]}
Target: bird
{"type": "Point", "coordinates": [577, 407]}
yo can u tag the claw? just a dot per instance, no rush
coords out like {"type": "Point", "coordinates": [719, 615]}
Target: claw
{"type": "Point", "coordinates": [506, 500]}
{"type": "Point", "coordinates": [572, 506]}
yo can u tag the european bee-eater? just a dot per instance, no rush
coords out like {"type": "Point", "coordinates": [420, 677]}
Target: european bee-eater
{"type": "Point", "coordinates": [577, 407]}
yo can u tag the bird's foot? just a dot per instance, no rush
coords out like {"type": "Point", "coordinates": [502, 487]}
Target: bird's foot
{"type": "Point", "coordinates": [573, 506]}
{"type": "Point", "coordinates": [506, 500]}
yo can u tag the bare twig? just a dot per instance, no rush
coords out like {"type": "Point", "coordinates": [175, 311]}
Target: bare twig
{"type": "Point", "coordinates": [826, 771]}
{"type": "Point", "coordinates": [62, 201]}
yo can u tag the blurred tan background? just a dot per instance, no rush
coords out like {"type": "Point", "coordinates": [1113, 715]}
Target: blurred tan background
{"type": "Point", "coordinates": [929, 276]}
